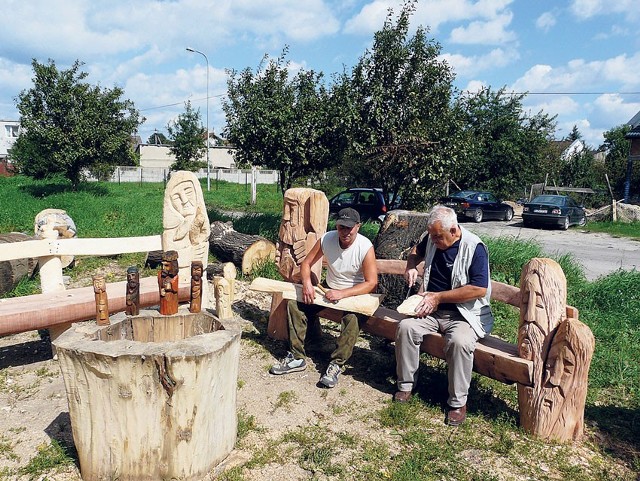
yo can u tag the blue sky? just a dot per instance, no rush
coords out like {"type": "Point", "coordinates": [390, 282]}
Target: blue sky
{"type": "Point", "coordinates": [580, 59]}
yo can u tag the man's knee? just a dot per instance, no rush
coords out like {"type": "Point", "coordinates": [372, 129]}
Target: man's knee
{"type": "Point", "coordinates": [461, 343]}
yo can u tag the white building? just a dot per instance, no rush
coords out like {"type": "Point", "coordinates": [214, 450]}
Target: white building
{"type": "Point", "coordinates": [9, 132]}
{"type": "Point", "coordinates": [152, 155]}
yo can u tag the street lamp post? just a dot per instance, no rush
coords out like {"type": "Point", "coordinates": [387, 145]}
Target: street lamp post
{"type": "Point", "coordinates": [189, 49]}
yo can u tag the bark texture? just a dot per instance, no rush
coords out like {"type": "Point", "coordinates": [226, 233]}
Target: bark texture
{"type": "Point", "coordinates": [244, 250]}
{"type": "Point", "coordinates": [13, 271]}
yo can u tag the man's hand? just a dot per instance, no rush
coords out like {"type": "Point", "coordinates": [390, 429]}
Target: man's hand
{"type": "Point", "coordinates": [411, 276]}
{"type": "Point", "coordinates": [428, 305]}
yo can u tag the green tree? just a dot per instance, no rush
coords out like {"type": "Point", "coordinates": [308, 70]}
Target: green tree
{"type": "Point", "coordinates": [574, 134]}
{"type": "Point", "coordinates": [617, 150]}
{"type": "Point", "coordinates": [280, 122]}
{"type": "Point", "coordinates": [70, 127]}
{"type": "Point", "coordinates": [404, 131]}
{"type": "Point", "coordinates": [506, 148]}
{"type": "Point", "coordinates": [187, 137]}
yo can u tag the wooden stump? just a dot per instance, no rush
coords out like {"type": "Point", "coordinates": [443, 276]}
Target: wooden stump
{"type": "Point", "coordinates": [11, 272]}
{"type": "Point", "coordinates": [151, 397]}
{"type": "Point", "coordinates": [244, 250]}
{"type": "Point", "coordinates": [401, 230]}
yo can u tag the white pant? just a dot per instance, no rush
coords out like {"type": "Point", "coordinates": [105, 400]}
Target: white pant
{"type": "Point", "coordinates": [460, 342]}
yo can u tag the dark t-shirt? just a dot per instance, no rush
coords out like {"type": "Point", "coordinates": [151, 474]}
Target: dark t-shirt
{"type": "Point", "coordinates": [442, 266]}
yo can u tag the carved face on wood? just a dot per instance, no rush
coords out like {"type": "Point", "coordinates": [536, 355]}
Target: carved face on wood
{"type": "Point", "coordinates": [99, 284]}
{"type": "Point", "coordinates": [183, 198]}
{"type": "Point", "coordinates": [196, 271]}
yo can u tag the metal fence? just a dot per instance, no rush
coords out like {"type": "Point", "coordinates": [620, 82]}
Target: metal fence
{"type": "Point", "coordinates": [159, 174]}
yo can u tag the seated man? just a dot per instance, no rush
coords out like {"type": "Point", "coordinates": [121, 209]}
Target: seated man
{"type": "Point", "coordinates": [455, 302]}
{"type": "Point", "coordinates": [351, 271]}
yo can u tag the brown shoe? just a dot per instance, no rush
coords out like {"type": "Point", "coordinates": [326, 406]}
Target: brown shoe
{"type": "Point", "coordinates": [456, 416]}
{"type": "Point", "coordinates": [402, 396]}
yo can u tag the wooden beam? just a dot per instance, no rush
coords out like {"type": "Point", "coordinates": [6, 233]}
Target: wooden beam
{"type": "Point", "coordinates": [41, 311]}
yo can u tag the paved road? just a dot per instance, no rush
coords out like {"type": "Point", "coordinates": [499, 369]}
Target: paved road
{"type": "Point", "coordinates": [599, 254]}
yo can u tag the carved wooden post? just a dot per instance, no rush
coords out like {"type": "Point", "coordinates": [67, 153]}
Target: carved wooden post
{"type": "Point", "coordinates": [304, 221]}
{"type": "Point", "coordinates": [222, 288]}
{"type": "Point", "coordinates": [102, 304]}
{"type": "Point", "coordinates": [51, 276]}
{"type": "Point", "coordinates": [168, 283]}
{"type": "Point", "coordinates": [133, 291]}
{"type": "Point", "coordinates": [186, 223]}
{"type": "Point", "coordinates": [229, 272]}
{"type": "Point", "coordinates": [561, 350]}
{"type": "Point", "coordinates": [196, 287]}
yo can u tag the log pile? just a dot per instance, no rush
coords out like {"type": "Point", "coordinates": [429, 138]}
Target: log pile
{"type": "Point", "coordinates": [11, 272]}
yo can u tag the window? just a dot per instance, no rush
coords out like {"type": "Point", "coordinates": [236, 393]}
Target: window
{"type": "Point", "coordinates": [11, 131]}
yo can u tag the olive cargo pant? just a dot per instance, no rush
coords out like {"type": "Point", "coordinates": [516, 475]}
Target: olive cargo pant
{"type": "Point", "coordinates": [299, 314]}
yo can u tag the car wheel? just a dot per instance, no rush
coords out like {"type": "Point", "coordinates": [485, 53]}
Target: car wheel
{"type": "Point", "coordinates": [508, 215]}
{"type": "Point", "coordinates": [477, 215]}
{"type": "Point", "coordinates": [583, 221]}
{"type": "Point", "coordinates": [565, 223]}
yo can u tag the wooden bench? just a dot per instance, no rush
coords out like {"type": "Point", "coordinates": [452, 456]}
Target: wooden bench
{"type": "Point", "coordinates": [494, 357]}
{"type": "Point", "coordinates": [551, 376]}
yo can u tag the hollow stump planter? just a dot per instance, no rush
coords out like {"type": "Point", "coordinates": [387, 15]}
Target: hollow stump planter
{"type": "Point", "coordinates": [151, 397]}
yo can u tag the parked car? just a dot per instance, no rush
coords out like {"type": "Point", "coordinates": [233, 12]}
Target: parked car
{"type": "Point", "coordinates": [478, 205]}
{"type": "Point", "coordinates": [553, 210]}
{"type": "Point", "coordinates": [369, 203]}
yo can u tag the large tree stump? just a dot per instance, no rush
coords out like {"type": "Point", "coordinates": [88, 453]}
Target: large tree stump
{"type": "Point", "coordinates": [151, 397]}
{"type": "Point", "coordinates": [560, 348]}
{"type": "Point", "coordinates": [244, 250]}
{"type": "Point", "coordinates": [11, 272]}
{"type": "Point", "coordinates": [401, 230]}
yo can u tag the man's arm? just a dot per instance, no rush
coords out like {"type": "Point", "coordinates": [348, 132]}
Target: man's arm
{"type": "Point", "coordinates": [308, 291]}
{"type": "Point", "coordinates": [370, 271]}
{"type": "Point", "coordinates": [415, 258]}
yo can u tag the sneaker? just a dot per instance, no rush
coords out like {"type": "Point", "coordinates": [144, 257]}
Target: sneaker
{"type": "Point", "coordinates": [288, 364]}
{"type": "Point", "coordinates": [330, 378]}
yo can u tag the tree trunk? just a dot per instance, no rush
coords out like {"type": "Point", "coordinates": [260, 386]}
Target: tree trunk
{"type": "Point", "coordinates": [244, 250]}
{"type": "Point", "coordinates": [11, 272]}
{"type": "Point", "coordinates": [400, 231]}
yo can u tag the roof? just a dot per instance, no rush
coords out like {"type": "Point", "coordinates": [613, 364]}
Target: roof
{"type": "Point", "coordinates": [633, 133]}
{"type": "Point", "coordinates": [635, 121]}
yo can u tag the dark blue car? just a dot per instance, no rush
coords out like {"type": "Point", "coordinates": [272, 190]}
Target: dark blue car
{"type": "Point", "coordinates": [553, 210]}
{"type": "Point", "coordinates": [478, 205]}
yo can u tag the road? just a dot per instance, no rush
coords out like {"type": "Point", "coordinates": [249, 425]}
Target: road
{"type": "Point", "coordinates": [599, 254]}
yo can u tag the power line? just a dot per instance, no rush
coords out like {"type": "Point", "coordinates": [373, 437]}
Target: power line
{"type": "Point", "coordinates": [178, 103]}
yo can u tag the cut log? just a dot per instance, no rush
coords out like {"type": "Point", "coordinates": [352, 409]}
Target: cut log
{"type": "Point", "coordinates": [60, 222]}
{"type": "Point", "coordinates": [223, 269]}
{"type": "Point", "coordinates": [12, 271]}
{"type": "Point", "coordinates": [400, 231]}
{"type": "Point", "coordinates": [244, 250]}
{"type": "Point", "coordinates": [363, 304]}
{"type": "Point", "coordinates": [153, 259]}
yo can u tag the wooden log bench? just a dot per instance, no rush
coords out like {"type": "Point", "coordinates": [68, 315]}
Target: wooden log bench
{"type": "Point", "coordinates": [561, 420]}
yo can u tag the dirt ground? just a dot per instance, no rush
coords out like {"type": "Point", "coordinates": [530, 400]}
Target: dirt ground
{"type": "Point", "coordinates": [34, 411]}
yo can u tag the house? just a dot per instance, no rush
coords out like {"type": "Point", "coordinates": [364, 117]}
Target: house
{"type": "Point", "coordinates": [634, 152]}
{"type": "Point", "coordinates": [160, 156]}
{"type": "Point", "coordinates": [9, 131]}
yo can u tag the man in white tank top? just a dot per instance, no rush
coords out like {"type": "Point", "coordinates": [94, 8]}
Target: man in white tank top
{"type": "Point", "coordinates": [351, 271]}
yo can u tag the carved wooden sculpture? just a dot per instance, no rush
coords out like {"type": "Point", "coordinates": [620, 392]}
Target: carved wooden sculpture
{"type": "Point", "coordinates": [196, 287]}
{"type": "Point", "coordinates": [185, 222]}
{"type": "Point", "coordinates": [304, 221]}
{"type": "Point", "coordinates": [102, 304]}
{"type": "Point", "coordinates": [168, 283]}
{"type": "Point", "coordinates": [560, 348]}
{"type": "Point", "coordinates": [133, 291]}
{"type": "Point", "coordinates": [223, 294]}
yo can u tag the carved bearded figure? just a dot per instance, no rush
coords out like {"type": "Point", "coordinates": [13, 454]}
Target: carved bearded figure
{"type": "Point", "coordinates": [133, 291]}
{"type": "Point", "coordinates": [304, 221]}
{"type": "Point", "coordinates": [102, 303]}
{"type": "Point", "coordinates": [561, 351]}
{"type": "Point", "coordinates": [185, 222]}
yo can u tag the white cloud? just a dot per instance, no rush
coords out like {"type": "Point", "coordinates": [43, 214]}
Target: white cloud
{"type": "Point", "coordinates": [584, 9]}
{"type": "Point", "coordinates": [467, 66]}
{"type": "Point", "coordinates": [491, 32]}
{"type": "Point", "coordinates": [545, 21]}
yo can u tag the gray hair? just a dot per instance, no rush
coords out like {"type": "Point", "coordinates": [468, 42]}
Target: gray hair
{"type": "Point", "coordinates": [445, 215]}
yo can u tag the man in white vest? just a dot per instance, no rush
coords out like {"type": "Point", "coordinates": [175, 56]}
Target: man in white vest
{"type": "Point", "coordinates": [456, 292]}
{"type": "Point", "coordinates": [351, 271]}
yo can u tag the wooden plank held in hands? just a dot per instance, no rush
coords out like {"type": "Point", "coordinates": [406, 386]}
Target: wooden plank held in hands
{"type": "Point", "coordinates": [362, 304]}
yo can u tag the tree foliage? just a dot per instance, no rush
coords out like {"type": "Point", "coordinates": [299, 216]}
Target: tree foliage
{"type": "Point", "coordinates": [616, 161]}
{"type": "Point", "coordinates": [188, 140]}
{"type": "Point", "coordinates": [70, 127]}
{"type": "Point", "coordinates": [507, 148]}
{"type": "Point", "coordinates": [280, 122]}
{"type": "Point", "coordinates": [158, 138]}
{"type": "Point", "coordinates": [404, 131]}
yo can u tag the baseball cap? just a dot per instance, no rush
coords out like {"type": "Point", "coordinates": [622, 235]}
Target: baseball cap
{"type": "Point", "coordinates": [348, 217]}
